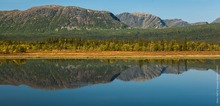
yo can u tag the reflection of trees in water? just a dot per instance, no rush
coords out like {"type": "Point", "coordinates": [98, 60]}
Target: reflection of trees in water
{"type": "Point", "coordinates": [58, 74]}
{"type": "Point", "coordinates": [15, 61]}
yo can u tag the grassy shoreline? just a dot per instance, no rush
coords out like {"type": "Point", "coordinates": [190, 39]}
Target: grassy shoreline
{"type": "Point", "coordinates": [114, 55]}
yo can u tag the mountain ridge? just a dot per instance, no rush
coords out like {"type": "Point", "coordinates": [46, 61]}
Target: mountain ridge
{"type": "Point", "coordinates": [176, 23]}
{"type": "Point", "coordinates": [141, 20]}
{"type": "Point", "coordinates": [55, 18]}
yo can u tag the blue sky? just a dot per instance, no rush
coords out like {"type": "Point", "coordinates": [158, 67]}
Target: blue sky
{"type": "Point", "coordinates": [189, 10]}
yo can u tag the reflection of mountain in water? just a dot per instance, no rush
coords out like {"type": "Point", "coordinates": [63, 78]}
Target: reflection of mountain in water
{"type": "Point", "coordinates": [147, 72]}
{"type": "Point", "coordinates": [58, 74]}
{"type": "Point", "coordinates": [138, 74]}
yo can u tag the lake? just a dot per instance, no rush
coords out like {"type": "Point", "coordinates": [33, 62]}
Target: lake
{"type": "Point", "coordinates": [109, 82]}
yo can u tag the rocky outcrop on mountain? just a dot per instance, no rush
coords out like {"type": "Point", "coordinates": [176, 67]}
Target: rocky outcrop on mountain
{"type": "Point", "coordinates": [141, 20]}
{"type": "Point", "coordinates": [176, 23]}
{"type": "Point", "coordinates": [56, 18]}
{"type": "Point", "coordinates": [216, 21]}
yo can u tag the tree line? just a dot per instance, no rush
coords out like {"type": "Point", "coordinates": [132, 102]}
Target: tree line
{"type": "Point", "coordinates": [78, 44]}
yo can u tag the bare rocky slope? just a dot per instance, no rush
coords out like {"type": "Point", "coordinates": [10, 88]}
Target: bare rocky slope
{"type": "Point", "coordinates": [145, 21]}
{"type": "Point", "coordinates": [176, 23]}
{"type": "Point", "coordinates": [141, 20]}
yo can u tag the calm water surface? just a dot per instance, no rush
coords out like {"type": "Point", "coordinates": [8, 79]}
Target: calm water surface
{"type": "Point", "coordinates": [109, 82]}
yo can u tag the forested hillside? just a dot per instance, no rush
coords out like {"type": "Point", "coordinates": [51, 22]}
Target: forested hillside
{"type": "Point", "coordinates": [207, 33]}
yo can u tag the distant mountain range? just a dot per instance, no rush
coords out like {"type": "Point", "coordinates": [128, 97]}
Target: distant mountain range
{"type": "Point", "coordinates": [141, 20]}
{"type": "Point", "coordinates": [54, 18]}
{"type": "Point", "coordinates": [144, 20]}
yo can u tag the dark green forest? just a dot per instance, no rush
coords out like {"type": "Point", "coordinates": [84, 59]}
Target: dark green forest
{"type": "Point", "coordinates": [207, 33]}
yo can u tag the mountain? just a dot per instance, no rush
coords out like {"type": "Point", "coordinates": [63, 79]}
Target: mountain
{"type": "Point", "coordinates": [216, 21]}
{"type": "Point", "coordinates": [176, 23]}
{"type": "Point", "coordinates": [41, 22]}
{"type": "Point", "coordinates": [55, 18]}
{"type": "Point", "coordinates": [144, 21]}
{"type": "Point", "coordinates": [141, 20]}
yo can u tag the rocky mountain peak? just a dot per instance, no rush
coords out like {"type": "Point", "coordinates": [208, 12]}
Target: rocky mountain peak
{"type": "Point", "coordinates": [176, 23]}
{"type": "Point", "coordinates": [141, 20]}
